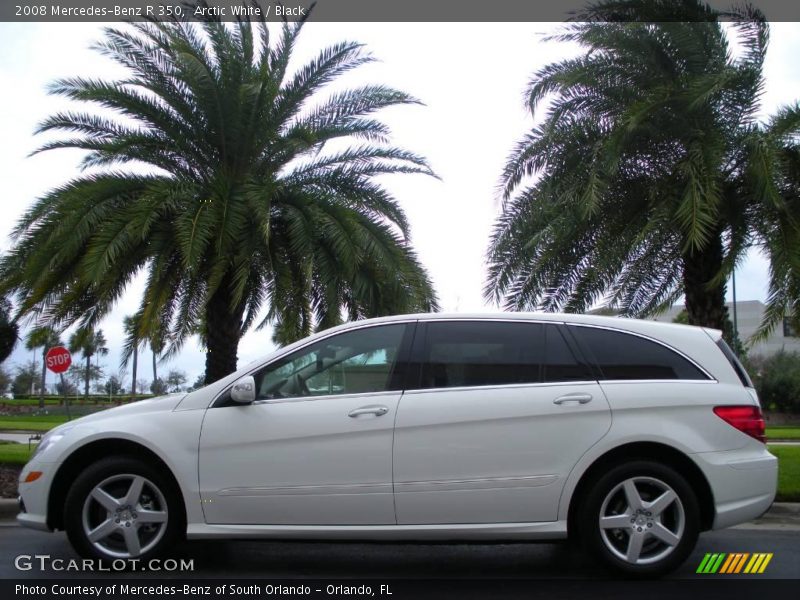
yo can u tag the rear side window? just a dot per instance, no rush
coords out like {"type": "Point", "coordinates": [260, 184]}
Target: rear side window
{"type": "Point", "coordinates": [624, 356]}
{"type": "Point", "coordinates": [479, 353]}
{"type": "Point", "coordinates": [737, 366]}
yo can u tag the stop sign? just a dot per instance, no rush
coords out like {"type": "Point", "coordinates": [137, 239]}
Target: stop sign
{"type": "Point", "coordinates": [58, 359]}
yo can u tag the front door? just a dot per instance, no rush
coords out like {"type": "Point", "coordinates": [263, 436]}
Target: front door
{"type": "Point", "coordinates": [315, 448]}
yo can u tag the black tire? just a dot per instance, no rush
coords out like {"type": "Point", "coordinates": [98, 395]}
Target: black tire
{"type": "Point", "coordinates": [160, 495]}
{"type": "Point", "coordinates": [656, 557]}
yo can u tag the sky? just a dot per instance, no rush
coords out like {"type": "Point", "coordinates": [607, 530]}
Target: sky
{"type": "Point", "coordinates": [469, 75]}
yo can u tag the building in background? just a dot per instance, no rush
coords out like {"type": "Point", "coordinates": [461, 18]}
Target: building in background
{"type": "Point", "coordinates": [749, 314]}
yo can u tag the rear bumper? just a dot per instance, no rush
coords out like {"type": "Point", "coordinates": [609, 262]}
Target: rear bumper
{"type": "Point", "coordinates": [743, 483]}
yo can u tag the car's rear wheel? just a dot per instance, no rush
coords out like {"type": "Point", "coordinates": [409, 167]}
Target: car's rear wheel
{"type": "Point", "coordinates": [640, 518]}
{"type": "Point", "coordinates": [122, 508]}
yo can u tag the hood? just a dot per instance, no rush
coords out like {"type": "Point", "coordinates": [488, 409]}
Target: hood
{"type": "Point", "coordinates": [151, 405]}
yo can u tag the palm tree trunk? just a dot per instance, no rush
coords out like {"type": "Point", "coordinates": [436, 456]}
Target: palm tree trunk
{"type": "Point", "coordinates": [44, 378]}
{"type": "Point", "coordinates": [88, 369]}
{"type": "Point", "coordinates": [155, 374]}
{"type": "Point", "coordinates": [135, 361]}
{"type": "Point", "coordinates": [66, 398]}
{"type": "Point", "coordinates": [223, 331]}
{"type": "Point", "coordinates": [705, 304]}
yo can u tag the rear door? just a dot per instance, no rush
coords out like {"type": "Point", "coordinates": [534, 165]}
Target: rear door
{"type": "Point", "coordinates": [653, 388]}
{"type": "Point", "coordinates": [494, 417]}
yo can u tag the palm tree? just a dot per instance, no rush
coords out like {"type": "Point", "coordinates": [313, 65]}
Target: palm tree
{"type": "Point", "coordinates": [130, 351]}
{"type": "Point", "coordinates": [157, 345]}
{"type": "Point", "coordinates": [89, 342]}
{"type": "Point", "coordinates": [44, 338]}
{"type": "Point", "coordinates": [650, 176]}
{"type": "Point", "coordinates": [135, 337]}
{"type": "Point", "coordinates": [262, 192]}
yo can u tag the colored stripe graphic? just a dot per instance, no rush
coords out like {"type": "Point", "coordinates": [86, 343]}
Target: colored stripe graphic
{"type": "Point", "coordinates": [703, 563]}
{"type": "Point", "coordinates": [758, 563]}
{"type": "Point", "coordinates": [740, 564]}
{"type": "Point", "coordinates": [752, 562]}
{"type": "Point", "coordinates": [711, 562]}
{"type": "Point", "coordinates": [753, 565]}
{"type": "Point", "coordinates": [732, 563]}
{"type": "Point", "coordinates": [728, 563]}
{"type": "Point", "coordinates": [765, 563]}
{"type": "Point", "coordinates": [734, 560]}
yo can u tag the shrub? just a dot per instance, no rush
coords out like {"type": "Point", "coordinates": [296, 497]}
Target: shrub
{"type": "Point", "coordinates": [777, 380]}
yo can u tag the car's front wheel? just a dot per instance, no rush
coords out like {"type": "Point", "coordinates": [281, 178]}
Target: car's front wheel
{"type": "Point", "coordinates": [641, 518]}
{"type": "Point", "coordinates": [122, 508]}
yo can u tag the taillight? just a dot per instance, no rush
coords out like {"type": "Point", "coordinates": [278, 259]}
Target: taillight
{"type": "Point", "coordinates": [747, 419]}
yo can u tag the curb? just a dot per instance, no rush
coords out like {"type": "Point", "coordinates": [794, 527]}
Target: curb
{"type": "Point", "coordinates": [784, 509]}
{"type": "Point", "coordinates": [8, 508]}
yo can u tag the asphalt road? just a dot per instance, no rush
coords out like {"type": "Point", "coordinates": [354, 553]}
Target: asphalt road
{"type": "Point", "coordinates": [276, 560]}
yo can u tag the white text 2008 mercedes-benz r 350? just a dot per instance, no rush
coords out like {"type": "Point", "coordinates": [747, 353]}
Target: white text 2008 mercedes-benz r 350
{"type": "Point", "coordinates": [632, 436]}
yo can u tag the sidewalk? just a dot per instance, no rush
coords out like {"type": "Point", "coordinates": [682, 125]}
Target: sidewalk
{"type": "Point", "coordinates": [779, 516]}
{"type": "Point", "coordinates": [21, 437]}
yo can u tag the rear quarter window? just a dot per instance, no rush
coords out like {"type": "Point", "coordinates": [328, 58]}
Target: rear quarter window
{"type": "Point", "coordinates": [625, 356]}
{"type": "Point", "coordinates": [741, 373]}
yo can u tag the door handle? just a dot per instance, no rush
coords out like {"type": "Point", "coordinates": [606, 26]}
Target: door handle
{"type": "Point", "coordinates": [375, 410]}
{"type": "Point", "coordinates": [579, 398]}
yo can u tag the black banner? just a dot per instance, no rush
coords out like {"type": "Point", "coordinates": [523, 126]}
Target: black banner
{"type": "Point", "coordinates": [330, 10]}
{"type": "Point", "coordinates": [252, 589]}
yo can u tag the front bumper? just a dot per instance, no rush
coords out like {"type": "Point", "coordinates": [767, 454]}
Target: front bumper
{"type": "Point", "coordinates": [33, 496]}
{"type": "Point", "coordinates": [33, 521]}
{"type": "Point", "coordinates": [743, 482]}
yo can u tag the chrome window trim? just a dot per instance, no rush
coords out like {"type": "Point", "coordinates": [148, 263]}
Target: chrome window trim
{"type": "Point", "coordinates": [684, 381]}
{"type": "Point", "coordinates": [327, 397]}
{"type": "Point", "coordinates": [491, 319]}
{"type": "Point", "coordinates": [505, 386]}
{"type": "Point", "coordinates": [582, 382]}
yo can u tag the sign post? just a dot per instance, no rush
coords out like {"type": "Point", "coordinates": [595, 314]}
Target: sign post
{"type": "Point", "coordinates": [58, 360]}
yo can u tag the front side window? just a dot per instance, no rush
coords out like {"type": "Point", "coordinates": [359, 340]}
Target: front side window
{"type": "Point", "coordinates": [354, 362]}
{"type": "Point", "coordinates": [481, 353]}
{"type": "Point", "coordinates": [624, 356]}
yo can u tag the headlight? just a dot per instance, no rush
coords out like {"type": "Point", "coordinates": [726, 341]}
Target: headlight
{"type": "Point", "coordinates": [50, 439]}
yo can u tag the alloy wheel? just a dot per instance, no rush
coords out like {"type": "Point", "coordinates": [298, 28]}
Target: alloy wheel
{"type": "Point", "coordinates": [642, 520]}
{"type": "Point", "coordinates": [124, 516]}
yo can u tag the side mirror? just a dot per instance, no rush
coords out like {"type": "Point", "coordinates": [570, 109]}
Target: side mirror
{"type": "Point", "coordinates": [244, 390]}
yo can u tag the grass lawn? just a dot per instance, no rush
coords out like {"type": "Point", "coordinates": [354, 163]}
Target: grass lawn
{"type": "Point", "coordinates": [788, 472]}
{"type": "Point", "coordinates": [783, 432]}
{"type": "Point", "coordinates": [31, 422]}
{"type": "Point", "coordinates": [31, 402]}
{"type": "Point", "coordinates": [14, 454]}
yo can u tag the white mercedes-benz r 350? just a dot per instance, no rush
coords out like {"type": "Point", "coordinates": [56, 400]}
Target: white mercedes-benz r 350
{"type": "Point", "coordinates": [631, 436]}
